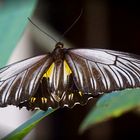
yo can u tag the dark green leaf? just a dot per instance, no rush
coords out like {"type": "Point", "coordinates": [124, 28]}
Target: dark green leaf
{"type": "Point", "coordinates": [112, 105]}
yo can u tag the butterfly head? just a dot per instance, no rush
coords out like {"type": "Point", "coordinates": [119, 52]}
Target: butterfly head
{"type": "Point", "coordinates": [59, 45]}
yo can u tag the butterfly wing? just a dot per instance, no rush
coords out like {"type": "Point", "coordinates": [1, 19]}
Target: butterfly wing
{"type": "Point", "coordinates": [96, 71]}
{"type": "Point", "coordinates": [19, 81]}
{"type": "Point", "coordinates": [92, 72]}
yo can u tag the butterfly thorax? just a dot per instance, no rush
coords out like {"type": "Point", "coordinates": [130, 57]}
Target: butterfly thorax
{"type": "Point", "coordinates": [58, 52]}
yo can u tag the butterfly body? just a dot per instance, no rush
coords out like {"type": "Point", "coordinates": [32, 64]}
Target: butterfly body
{"type": "Point", "coordinates": [67, 77]}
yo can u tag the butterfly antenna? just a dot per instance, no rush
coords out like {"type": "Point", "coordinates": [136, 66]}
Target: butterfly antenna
{"type": "Point", "coordinates": [42, 30]}
{"type": "Point", "coordinates": [75, 21]}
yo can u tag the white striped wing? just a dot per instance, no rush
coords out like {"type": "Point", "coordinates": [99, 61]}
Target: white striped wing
{"type": "Point", "coordinates": [98, 70]}
{"type": "Point", "coordinates": [18, 81]}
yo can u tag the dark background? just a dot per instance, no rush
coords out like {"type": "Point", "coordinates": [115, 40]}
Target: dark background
{"type": "Point", "coordinates": [104, 24]}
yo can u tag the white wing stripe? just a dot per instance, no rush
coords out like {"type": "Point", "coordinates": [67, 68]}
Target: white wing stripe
{"type": "Point", "coordinates": [102, 77]}
{"type": "Point", "coordinates": [6, 92]}
{"type": "Point", "coordinates": [102, 67]}
{"type": "Point", "coordinates": [115, 70]}
{"type": "Point", "coordinates": [114, 76]}
{"type": "Point", "coordinates": [12, 70]}
{"type": "Point", "coordinates": [127, 75]}
{"type": "Point", "coordinates": [130, 66]}
{"type": "Point", "coordinates": [92, 78]}
{"type": "Point", "coordinates": [128, 70]}
{"type": "Point", "coordinates": [19, 90]}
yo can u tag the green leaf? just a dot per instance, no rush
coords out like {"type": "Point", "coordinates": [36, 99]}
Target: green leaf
{"type": "Point", "coordinates": [26, 127]}
{"type": "Point", "coordinates": [13, 20]}
{"type": "Point", "coordinates": [112, 105]}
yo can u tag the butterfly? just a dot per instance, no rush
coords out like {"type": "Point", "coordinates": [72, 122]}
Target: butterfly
{"type": "Point", "coordinates": [67, 77]}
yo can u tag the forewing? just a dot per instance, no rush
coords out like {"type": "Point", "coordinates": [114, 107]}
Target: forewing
{"type": "Point", "coordinates": [98, 70]}
{"type": "Point", "coordinates": [19, 81]}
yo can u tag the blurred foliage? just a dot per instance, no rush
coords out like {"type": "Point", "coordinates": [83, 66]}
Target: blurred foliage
{"type": "Point", "coordinates": [13, 20]}
{"type": "Point", "coordinates": [26, 127]}
{"type": "Point", "coordinates": [112, 105]}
